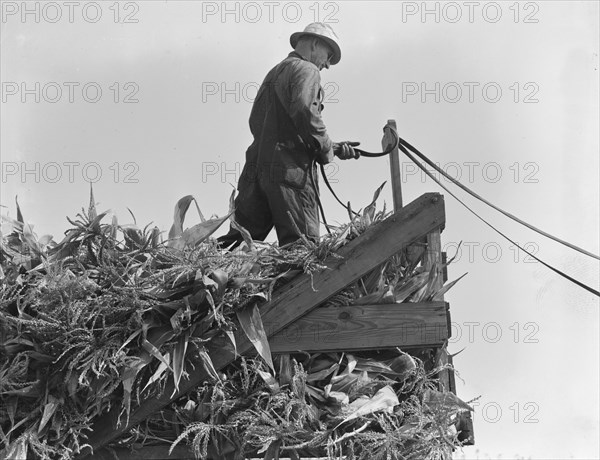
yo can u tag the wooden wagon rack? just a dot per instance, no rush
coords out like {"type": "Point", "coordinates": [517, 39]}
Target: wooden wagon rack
{"type": "Point", "coordinates": [295, 318]}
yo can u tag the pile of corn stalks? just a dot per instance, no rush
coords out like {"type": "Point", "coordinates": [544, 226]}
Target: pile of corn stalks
{"type": "Point", "coordinates": [106, 316]}
{"type": "Point", "coordinates": [334, 405]}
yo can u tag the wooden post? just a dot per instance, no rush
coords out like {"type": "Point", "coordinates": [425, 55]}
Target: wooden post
{"type": "Point", "coordinates": [433, 258]}
{"type": "Point", "coordinates": [413, 252]}
{"type": "Point", "coordinates": [388, 139]}
{"type": "Point", "coordinates": [446, 379]}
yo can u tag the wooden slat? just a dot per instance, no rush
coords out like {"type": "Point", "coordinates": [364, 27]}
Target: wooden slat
{"type": "Point", "coordinates": [446, 378]}
{"type": "Point", "coordinates": [297, 298]}
{"type": "Point", "coordinates": [395, 172]}
{"type": "Point", "coordinates": [433, 257]}
{"type": "Point", "coordinates": [364, 327]}
{"type": "Point", "coordinates": [445, 269]}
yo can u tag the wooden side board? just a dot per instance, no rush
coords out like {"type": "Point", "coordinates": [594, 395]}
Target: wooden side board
{"type": "Point", "coordinates": [295, 299]}
{"type": "Point", "coordinates": [365, 327]}
{"type": "Point", "coordinates": [375, 246]}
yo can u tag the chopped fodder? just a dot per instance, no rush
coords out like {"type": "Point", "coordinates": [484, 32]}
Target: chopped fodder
{"type": "Point", "coordinates": [108, 315]}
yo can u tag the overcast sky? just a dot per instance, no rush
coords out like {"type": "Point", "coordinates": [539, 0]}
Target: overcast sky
{"type": "Point", "coordinates": [149, 100]}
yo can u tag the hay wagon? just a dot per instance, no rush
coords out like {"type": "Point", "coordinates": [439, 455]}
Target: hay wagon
{"type": "Point", "coordinates": [300, 316]}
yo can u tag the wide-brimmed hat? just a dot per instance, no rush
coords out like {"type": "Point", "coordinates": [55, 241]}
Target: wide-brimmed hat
{"type": "Point", "coordinates": [325, 33]}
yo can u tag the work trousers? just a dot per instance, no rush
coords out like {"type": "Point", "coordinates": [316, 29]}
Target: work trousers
{"type": "Point", "coordinates": [265, 197]}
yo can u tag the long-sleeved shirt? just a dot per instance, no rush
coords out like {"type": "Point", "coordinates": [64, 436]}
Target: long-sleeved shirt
{"type": "Point", "coordinates": [287, 109]}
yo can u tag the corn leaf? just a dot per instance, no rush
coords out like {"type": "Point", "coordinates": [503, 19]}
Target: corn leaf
{"type": "Point", "coordinates": [320, 375]}
{"type": "Point", "coordinates": [375, 279]}
{"type": "Point", "coordinates": [154, 237]}
{"type": "Point", "coordinates": [373, 366]}
{"type": "Point", "coordinates": [128, 376]}
{"type": "Point", "coordinates": [269, 380]}
{"type": "Point", "coordinates": [344, 382]}
{"type": "Point", "coordinates": [155, 352]}
{"type": "Point", "coordinates": [437, 401]}
{"type": "Point", "coordinates": [251, 322]}
{"type": "Point", "coordinates": [129, 339]}
{"type": "Point", "coordinates": [231, 336]}
{"type": "Point", "coordinates": [29, 391]}
{"type": "Point", "coordinates": [427, 288]}
{"type": "Point", "coordinates": [30, 238]}
{"type": "Point", "coordinates": [92, 214]}
{"type": "Point", "coordinates": [316, 393]}
{"type": "Point", "coordinates": [18, 449]}
{"type": "Point", "coordinates": [181, 209]}
{"type": "Point", "coordinates": [384, 399]}
{"type": "Point", "coordinates": [19, 214]}
{"type": "Point", "coordinates": [199, 232]}
{"type": "Point", "coordinates": [158, 336]}
{"type": "Point", "coordinates": [162, 367]}
{"type": "Point", "coordinates": [220, 279]}
{"type": "Point", "coordinates": [402, 364]}
{"type": "Point", "coordinates": [49, 410]}
{"type": "Point", "coordinates": [12, 224]}
{"type": "Point", "coordinates": [133, 234]}
{"type": "Point", "coordinates": [95, 223]}
{"type": "Point", "coordinates": [402, 292]}
{"type": "Point", "coordinates": [179, 358]}
{"type": "Point", "coordinates": [369, 212]}
{"type": "Point", "coordinates": [438, 295]}
{"type": "Point", "coordinates": [351, 363]}
{"type": "Point", "coordinates": [208, 364]}
{"type": "Point", "coordinates": [285, 369]}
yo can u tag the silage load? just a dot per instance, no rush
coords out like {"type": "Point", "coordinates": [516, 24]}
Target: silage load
{"type": "Point", "coordinates": [107, 315]}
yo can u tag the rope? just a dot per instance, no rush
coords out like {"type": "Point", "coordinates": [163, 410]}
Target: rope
{"type": "Point", "coordinates": [399, 141]}
{"type": "Point", "coordinates": [387, 151]}
{"type": "Point", "coordinates": [561, 273]}
{"type": "Point", "coordinates": [403, 146]}
{"type": "Point", "coordinates": [316, 189]}
{"type": "Point", "coordinates": [402, 142]}
{"type": "Point", "coordinates": [363, 153]}
{"type": "Point", "coordinates": [333, 193]}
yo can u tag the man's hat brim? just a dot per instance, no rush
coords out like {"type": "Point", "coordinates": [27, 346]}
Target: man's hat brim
{"type": "Point", "coordinates": [337, 52]}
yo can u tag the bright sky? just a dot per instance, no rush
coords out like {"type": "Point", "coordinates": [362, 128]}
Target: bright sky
{"type": "Point", "coordinates": [150, 101]}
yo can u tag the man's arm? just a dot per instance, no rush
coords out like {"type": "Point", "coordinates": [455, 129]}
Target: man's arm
{"type": "Point", "coordinates": [305, 111]}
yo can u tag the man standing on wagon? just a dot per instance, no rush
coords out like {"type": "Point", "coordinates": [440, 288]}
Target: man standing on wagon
{"type": "Point", "coordinates": [278, 185]}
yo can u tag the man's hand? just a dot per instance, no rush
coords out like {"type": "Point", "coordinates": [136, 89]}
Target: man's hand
{"type": "Point", "coordinates": [344, 150]}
